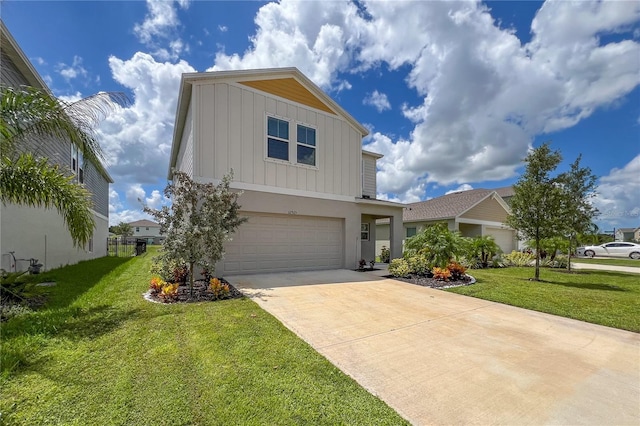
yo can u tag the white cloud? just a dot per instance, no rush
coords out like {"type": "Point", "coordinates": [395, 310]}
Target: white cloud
{"type": "Point", "coordinates": [377, 100]}
{"type": "Point", "coordinates": [316, 37]}
{"type": "Point", "coordinates": [75, 70]}
{"type": "Point", "coordinates": [135, 196]}
{"type": "Point", "coordinates": [221, 28]}
{"type": "Point", "coordinates": [159, 29]}
{"type": "Point", "coordinates": [137, 139]}
{"type": "Point", "coordinates": [617, 196]}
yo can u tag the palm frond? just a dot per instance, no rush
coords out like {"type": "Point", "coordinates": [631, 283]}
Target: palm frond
{"type": "Point", "coordinates": [36, 183]}
{"type": "Point", "coordinates": [28, 112]}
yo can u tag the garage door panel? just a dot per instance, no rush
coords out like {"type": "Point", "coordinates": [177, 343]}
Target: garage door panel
{"type": "Point", "coordinates": [273, 243]}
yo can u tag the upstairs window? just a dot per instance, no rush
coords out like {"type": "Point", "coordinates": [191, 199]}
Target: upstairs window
{"type": "Point", "coordinates": [77, 163]}
{"type": "Point", "coordinates": [277, 139]}
{"type": "Point", "coordinates": [306, 145]}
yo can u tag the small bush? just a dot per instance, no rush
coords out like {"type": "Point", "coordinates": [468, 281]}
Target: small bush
{"type": "Point", "coordinates": [560, 261]}
{"type": "Point", "coordinates": [156, 285]}
{"type": "Point", "coordinates": [362, 264]}
{"type": "Point", "coordinates": [470, 262]}
{"type": "Point", "coordinates": [399, 268]}
{"type": "Point", "coordinates": [385, 254]}
{"type": "Point", "coordinates": [169, 270]}
{"type": "Point", "coordinates": [218, 288]}
{"type": "Point", "coordinates": [457, 270]}
{"type": "Point", "coordinates": [419, 265]}
{"type": "Point", "coordinates": [10, 310]}
{"type": "Point", "coordinates": [169, 292]}
{"type": "Point", "coordinates": [517, 258]}
{"type": "Point", "coordinates": [441, 274]}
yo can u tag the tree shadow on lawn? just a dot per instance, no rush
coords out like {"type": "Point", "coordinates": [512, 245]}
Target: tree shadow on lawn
{"type": "Point", "coordinates": [74, 280]}
{"type": "Point", "coordinates": [586, 285]}
{"type": "Point", "coordinates": [24, 335]}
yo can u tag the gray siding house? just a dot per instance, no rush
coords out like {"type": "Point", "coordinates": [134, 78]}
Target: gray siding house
{"type": "Point", "coordinates": [308, 187]}
{"type": "Point", "coordinates": [40, 233]}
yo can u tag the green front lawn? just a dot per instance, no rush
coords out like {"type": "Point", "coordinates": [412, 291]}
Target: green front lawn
{"type": "Point", "coordinates": [607, 298]}
{"type": "Point", "coordinates": [100, 354]}
{"type": "Point", "coordinates": [602, 261]}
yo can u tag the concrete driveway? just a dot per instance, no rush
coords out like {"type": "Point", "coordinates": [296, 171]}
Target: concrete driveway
{"type": "Point", "coordinates": [442, 358]}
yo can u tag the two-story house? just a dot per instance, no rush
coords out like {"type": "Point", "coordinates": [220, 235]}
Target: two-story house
{"type": "Point", "coordinates": [147, 230]}
{"type": "Point", "coordinates": [37, 232]}
{"type": "Point", "coordinates": [309, 190]}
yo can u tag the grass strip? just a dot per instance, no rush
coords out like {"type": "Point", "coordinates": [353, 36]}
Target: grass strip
{"type": "Point", "coordinates": [600, 297]}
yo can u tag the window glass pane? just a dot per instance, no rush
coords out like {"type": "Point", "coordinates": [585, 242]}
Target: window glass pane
{"type": "Point", "coordinates": [306, 155]}
{"type": "Point", "coordinates": [284, 129]}
{"type": "Point", "coordinates": [411, 232]}
{"type": "Point", "coordinates": [307, 135]}
{"type": "Point", "coordinates": [311, 137]}
{"type": "Point", "coordinates": [272, 125]}
{"type": "Point", "coordinates": [277, 149]}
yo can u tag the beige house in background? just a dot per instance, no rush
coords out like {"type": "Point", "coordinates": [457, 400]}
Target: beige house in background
{"type": "Point", "coordinates": [477, 212]}
{"type": "Point", "coordinates": [147, 229]}
{"type": "Point", "coordinates": [308, 187]}
{"type": "Point", "coordinates": [31, 232]}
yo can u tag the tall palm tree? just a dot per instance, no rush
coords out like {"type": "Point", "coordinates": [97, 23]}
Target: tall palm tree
{"type": "Point", "coordinates": [29, 116]}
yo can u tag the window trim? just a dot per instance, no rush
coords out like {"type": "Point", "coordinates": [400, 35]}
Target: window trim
{"type": "Point", "coordinates": [277, 138]}
{"type": "Point", "coordinates": [293, 142]}
{"type": "Point", "coordinates": [365, 229]}
{"type": "Point", "coordinates": [304, 144]}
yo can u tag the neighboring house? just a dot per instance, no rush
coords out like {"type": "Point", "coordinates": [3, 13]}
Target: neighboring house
{"type": "Point", "coordinates": [636, 235]}
{"type": "Point", "coordinates": [477, 212]}
{"type": "Point", "coordinates": [148, 230]}
{"type": "Point", "coordinates": [627, 234]}
{"type": "Point", "coordinates": [308, 187]}
{"type": "Point", "coordinates": [40, 233]}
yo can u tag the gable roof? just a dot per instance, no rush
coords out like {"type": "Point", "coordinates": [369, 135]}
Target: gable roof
{"type": "Point", "coordinates": [11, 48]}
{"type": "Point", "coordinates": [451, 205]}
{"type": "Point", "coordinates": [13, 51]}
{"type": "Point", "coordinates": [144, 222]}
{"type": "Point", "coordinates": [287, 83]}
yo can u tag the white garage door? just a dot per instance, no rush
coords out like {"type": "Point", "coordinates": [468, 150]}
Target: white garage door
{"type": "Point", "coordinates": [504, 238]}
{"type": "Point", "coordinates": [276, 243]}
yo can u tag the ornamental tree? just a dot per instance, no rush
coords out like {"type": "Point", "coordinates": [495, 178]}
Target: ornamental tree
{"type": "Point", "coordinates": [537, 200]}
{"type": "Point", "coordinates": [202, 216]}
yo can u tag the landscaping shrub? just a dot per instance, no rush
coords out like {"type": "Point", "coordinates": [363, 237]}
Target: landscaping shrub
{"type": "Point", "coordinates": [156, 285]}
{"type": "Point", "coordinates": [457, 270]}
{"type": "Point", "coordinates": [385, 254]}
{"type": "Point", "coordinates": [441, 274]}
{"type": "Point", "coordinates": [218, 288]}
{"type": "Point", "coordinates": [399, 268]}
{"type": "Point", "coordinates": [169, 292]}
{"type": "Point", "coordinates": [560, 261]}
{"type": "Point", "coordinates": [419, 265]}
{"type": "Point", "coordinates": [518, 258]}
{"type": "Point", "coordinates": [437, 243]}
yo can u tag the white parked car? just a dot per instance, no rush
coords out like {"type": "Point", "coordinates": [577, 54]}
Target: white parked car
{"type": "Point", "coordinates": [617, 249]}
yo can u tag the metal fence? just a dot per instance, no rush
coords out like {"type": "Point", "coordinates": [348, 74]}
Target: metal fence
{"type": "Point", "coordinates": [125, 247]}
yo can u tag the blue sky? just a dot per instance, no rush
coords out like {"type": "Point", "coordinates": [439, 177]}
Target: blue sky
{"type": "Point", "coordinates": [454, 93]}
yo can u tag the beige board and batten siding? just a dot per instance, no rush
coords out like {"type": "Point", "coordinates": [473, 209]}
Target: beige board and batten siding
{"type": "Point", "coordinates": [185, 155]}
{"type": "Point", "coordinates": [489, 210]}
{"type": "Point", "coordinates": [369, 175]}
{"type": "Point", "coordinates": [230, 131]}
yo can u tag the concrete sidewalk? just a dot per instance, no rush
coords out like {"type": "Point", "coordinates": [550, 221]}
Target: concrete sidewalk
{"type": "Point", "coordinates": [598, 267]}
{"type": "Point", "coordinates": [441, 358]}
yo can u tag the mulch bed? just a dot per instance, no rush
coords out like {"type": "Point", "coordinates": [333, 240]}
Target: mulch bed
{"type": "Point", "coordinates": [201, 293]}
{"type": "Point", "coordinates": [430, 282]}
